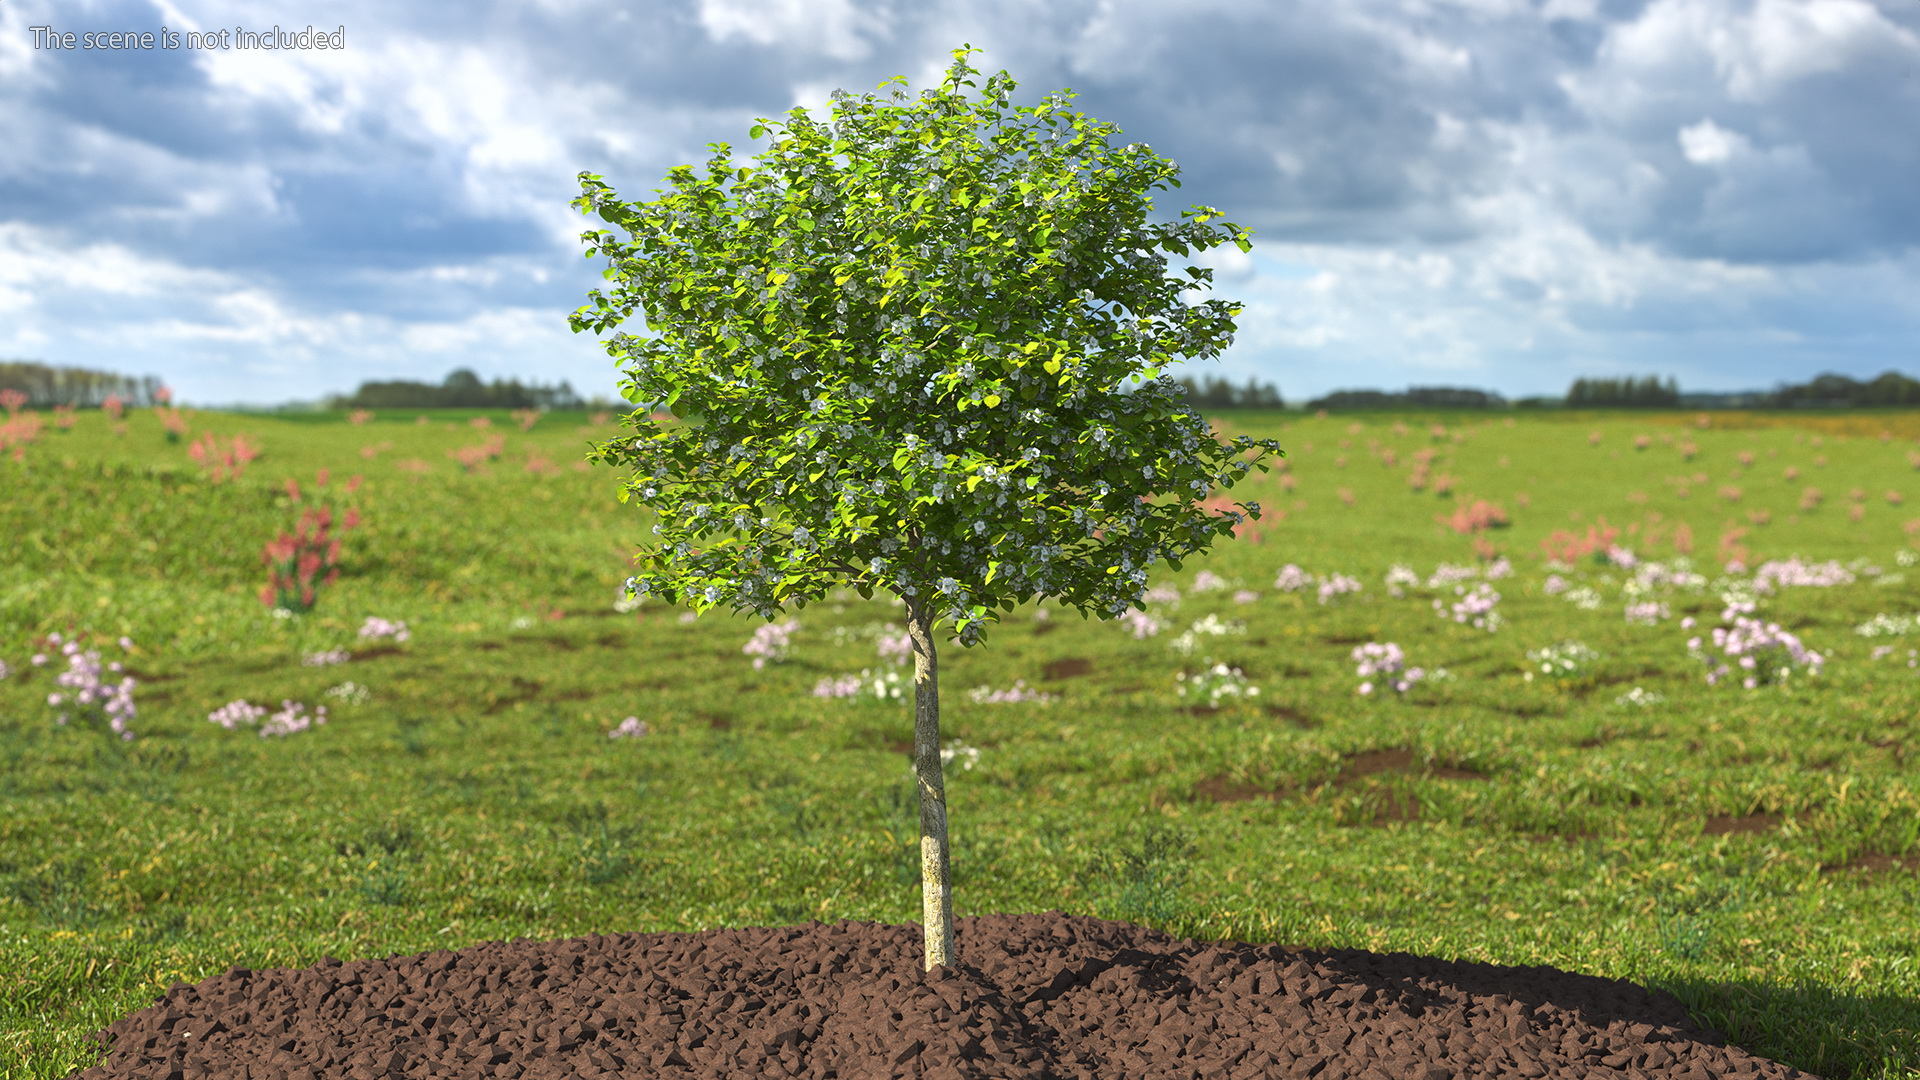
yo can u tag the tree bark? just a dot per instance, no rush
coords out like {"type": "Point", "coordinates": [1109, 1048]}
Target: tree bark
{"type": "Point", "coordinates": [936, 873]}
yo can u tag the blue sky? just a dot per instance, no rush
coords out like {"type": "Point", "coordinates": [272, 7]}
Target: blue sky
{"type": "Point", "coordinates": [1495, 193]}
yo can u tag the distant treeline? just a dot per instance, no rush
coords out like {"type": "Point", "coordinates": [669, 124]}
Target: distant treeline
{"type": "Point", "coordinates": [1891, 390]}
{"type": "Point", "coordinates": [47, 386]}
{"type": "Point", "coordinates": [461, 389]}
{"type": "Point", "coordinates": [1218, 393]}
{"type": "Point", "coordinates": [1416, 397]}
{"type": "Point", "coordinates": [1627, 393]}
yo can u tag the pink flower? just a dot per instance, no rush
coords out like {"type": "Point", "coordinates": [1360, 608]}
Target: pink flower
{"type": "Point", "coordinates": [770, 642]}
{"type": "Point", "coordinates": [896, 648]}
{"type": "Point", "coordinates": [840, 687]}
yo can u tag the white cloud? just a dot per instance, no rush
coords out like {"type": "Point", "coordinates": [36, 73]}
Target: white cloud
{"type": "Point", "coordinates": [836, 28]}
{"type": "Point", "coordinates": [1707, 143]}
{"type": "Point", "coordinates": [1755, 50]}
{"type": "Point", "coordinates": [1473, 190]}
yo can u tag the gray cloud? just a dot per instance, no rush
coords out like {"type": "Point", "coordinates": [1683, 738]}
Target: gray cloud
{"type": "Point", "coordinates": [1498, 192]}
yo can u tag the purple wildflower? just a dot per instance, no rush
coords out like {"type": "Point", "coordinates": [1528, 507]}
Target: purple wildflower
{"type": "Point", "coordinates": [631, 728]}
{"type": "Point", "coordinates": [838, 686]}
{"type": "Point", "coordinates": [237, 712]}
{"type": "Point", "coordinates": [897, 647]}
{"type": "Point", "coordinates": [770, 642]}
{"type": "Point", "coordinates": [83, 677]}
{"type": "Point", "coordinates": [1018, 693]}
{"type": "Point", "coordinates": [291, 718]}
{"type": "Point", "coordinates": [1646, 613]}
{"type": "Point", "coordinates": [1792, 573]}
{"type": "Point", "coordinates": [375, 628]}
{"type": "Point", "coordinates": [1338, 585]}
{"type": "Point", "coordinates": [1388, 661]}
{"type": "Point", "coordinates": [1764, 652]}
{"type": "Point", "coordinates": [1475, 607]}
{"type": "Point", "coordinates": [1292, 579]}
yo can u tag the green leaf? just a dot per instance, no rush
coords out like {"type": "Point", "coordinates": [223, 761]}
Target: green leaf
{"type": "Point", "coordinates": [711, 235]}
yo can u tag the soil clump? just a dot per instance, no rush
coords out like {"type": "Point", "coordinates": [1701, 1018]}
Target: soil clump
{"type": "Point", "coordinates": [1034, 996]}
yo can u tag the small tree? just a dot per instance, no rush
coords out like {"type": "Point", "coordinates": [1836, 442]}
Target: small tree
{"type": "Point", "coordinates": [918, 349]}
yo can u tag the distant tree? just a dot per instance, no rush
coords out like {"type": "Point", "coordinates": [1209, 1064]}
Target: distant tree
{"type": "Point", "coordinates": [461, 389]}
{"type": "Point", "coordinates": [1356, 399]}
{"type": "Point", "coordinates": [1453, 397]}
{"type": "Point", "coordinates": [1217, 393]}
{"type": "Point", "coordinates": [1891, 389]}
{"type": "Point", "coordinates": [1418, 397]}
{"type": "Point", "coordinates": [919, 349]}
{"type": "Point", "coordinates": [1830, 391]}
{"type": "Point", "coordinates": [1627, 393]}
{"type": "Point", "coordinates": [47, 386]}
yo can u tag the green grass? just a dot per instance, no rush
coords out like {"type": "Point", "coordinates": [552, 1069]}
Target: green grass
{"type": "Point", "coordinates": [476, 796]}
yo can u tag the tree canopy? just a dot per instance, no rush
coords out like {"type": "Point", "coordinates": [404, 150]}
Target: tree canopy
{"type": "Point", "coordinates": [921, 348]}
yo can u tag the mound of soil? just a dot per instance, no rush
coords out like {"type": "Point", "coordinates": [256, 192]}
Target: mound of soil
{"type": "Point", "coordinates": [1034, 996]}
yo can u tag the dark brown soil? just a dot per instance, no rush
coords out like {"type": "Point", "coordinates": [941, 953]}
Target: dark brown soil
{"type": "Point", "coordinates": [1070, 668]}
{"type": "Point", "coordinates": [1728, 825]}
{"type": "Point", "coordinates": [1034, 996]}
{"type": "Point", "coordinates": [1874, 864]}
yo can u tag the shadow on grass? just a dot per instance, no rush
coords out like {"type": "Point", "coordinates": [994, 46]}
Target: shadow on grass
{"type": "Point", "coordinates": [1829, 1033]}
{"type": "Point", "coordinates": [1819, 1030]}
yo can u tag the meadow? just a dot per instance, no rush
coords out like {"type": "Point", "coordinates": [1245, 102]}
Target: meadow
{"type": "Point", "coordinates": [1560, 785]}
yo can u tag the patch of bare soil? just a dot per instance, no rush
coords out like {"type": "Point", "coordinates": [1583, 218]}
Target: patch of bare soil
{"type": "Point", "coordinates": [1728, 825]}
{"type": "Point", "coordinates": [1874, 864]}
{"type": "Point", "coordinates": [1035, 996]}
{"type": "Point", "coordinates": [1298, 718]}
{"type": "Point", "coordinates": [1225, 789]}
{"type": "Point", "coordinates": [1376, 762]}
{"type": "Point", "coordinates": [1068, 668]}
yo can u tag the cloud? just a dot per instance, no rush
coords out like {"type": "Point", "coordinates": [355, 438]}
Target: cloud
{"type": "Point", "coordinates": [1495, 192]}
{"type": "Point", "coordinates": [835, 28]}
{"type": "Point", "coordinates": [1707, 143]}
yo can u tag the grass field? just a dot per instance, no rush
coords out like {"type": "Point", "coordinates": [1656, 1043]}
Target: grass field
{"type": "Point", "coordinates": [1753, 851]}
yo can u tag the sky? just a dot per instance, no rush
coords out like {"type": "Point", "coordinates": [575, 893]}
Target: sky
{"type": "Point", "coordinates": [1501, 194]}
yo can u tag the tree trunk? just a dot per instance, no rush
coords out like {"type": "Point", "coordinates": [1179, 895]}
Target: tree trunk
{"type": "Point", "coordinates": [936, 876]}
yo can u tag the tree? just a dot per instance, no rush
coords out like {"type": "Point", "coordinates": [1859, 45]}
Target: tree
{"type": "Point", "coordinates": [461, 389]}
{"type": "Point", "coordinates": [1627, 393]}
{"type": "Point", "coordinates": [47, 386]}
{"type": "Point", "coordinates": [919, 348]}
{"type": "Point", "coordinates": [1218, 393]}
